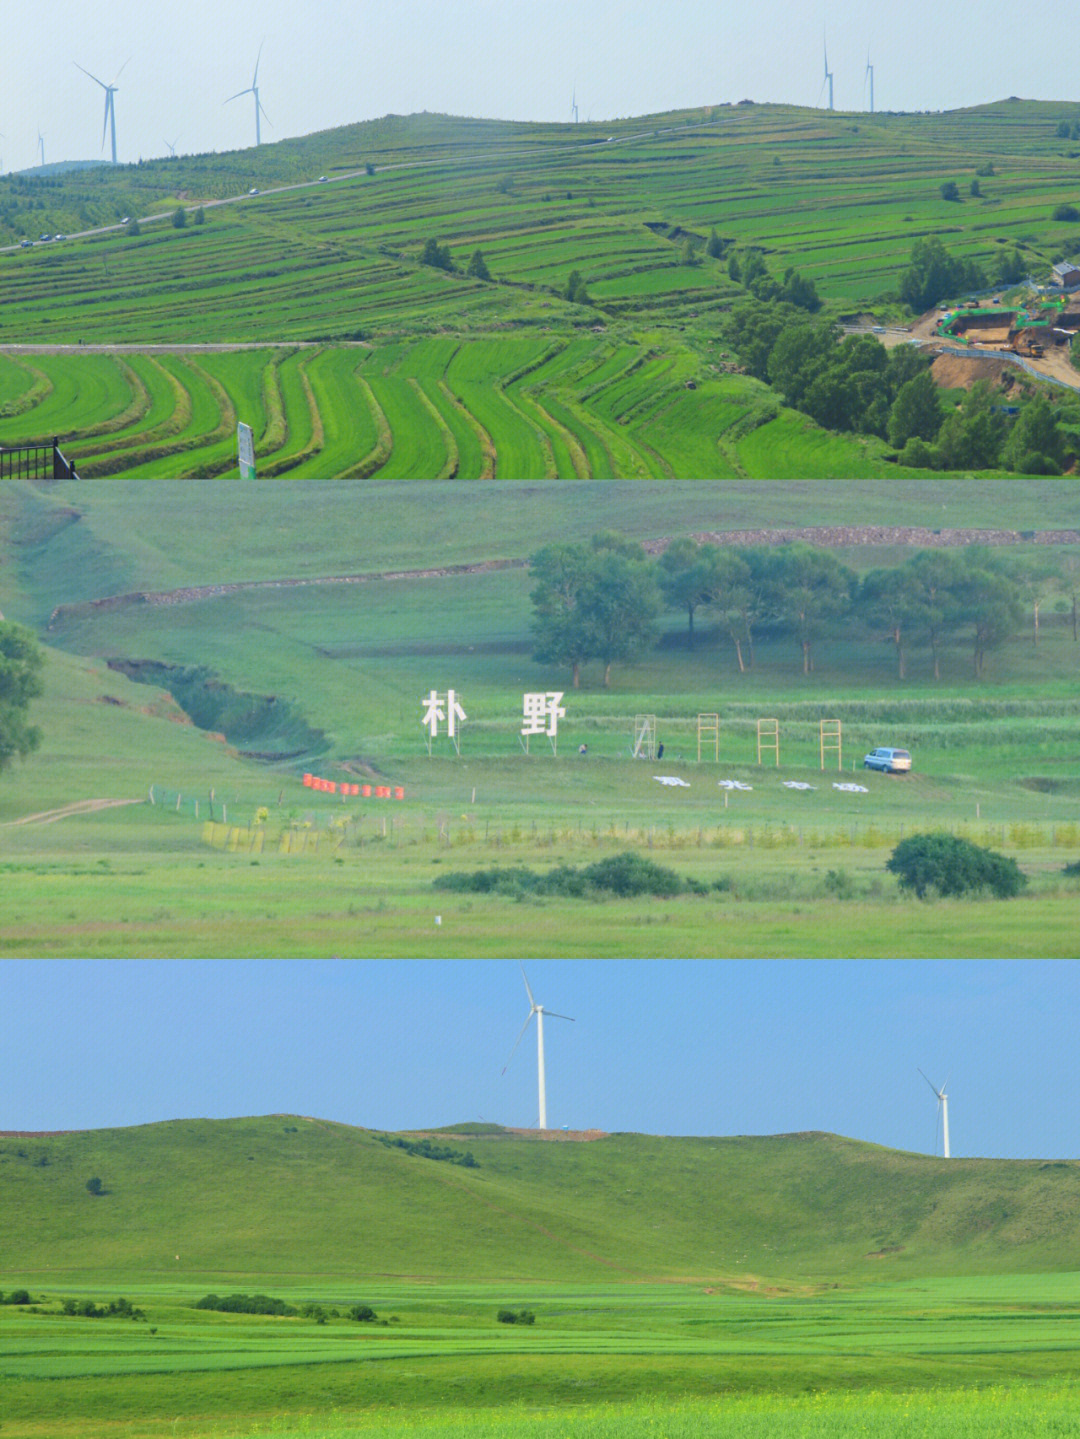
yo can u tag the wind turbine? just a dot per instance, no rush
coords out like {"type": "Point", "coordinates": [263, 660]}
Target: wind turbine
{"type": "Point", "coordinates": [828, 75]}
{"type": "Point", "coordinates": [943, 1111]}
{"type": "Point", "coordinates": [41, 146]}
{"type": "Point", "coordinates": [110, 104]}
{"type": "Point", "coordinates": [539, 1011]}
{"type": "Point", "coordinates": [573, 106]}
{"type": "Point", "coordinates": [253, 89]}
{"type": "Point", "coordinates": [172, 144]}
{"type": "Point", "coordinates": [869, 71]}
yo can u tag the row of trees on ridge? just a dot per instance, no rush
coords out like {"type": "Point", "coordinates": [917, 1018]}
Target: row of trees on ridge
{"type": "Point", "coordinates": [602, 599]}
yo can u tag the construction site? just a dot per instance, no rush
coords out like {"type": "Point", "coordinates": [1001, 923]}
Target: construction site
{"type": "Point", "coordinates": [1028, 332]}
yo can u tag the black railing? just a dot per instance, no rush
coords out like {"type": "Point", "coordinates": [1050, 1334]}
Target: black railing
{"type": "Point", "coordinates": [35, 462]}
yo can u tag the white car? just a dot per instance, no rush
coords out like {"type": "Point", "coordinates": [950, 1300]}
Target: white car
{"type": "Point", "coordinates": [253, 191]}
{"type": "Point", "coordinates": [888, 760]}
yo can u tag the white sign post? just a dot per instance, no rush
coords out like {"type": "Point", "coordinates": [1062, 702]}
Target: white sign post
{"type": "Point", "coordinates": [542, 711]}
{"type": "Point", "coordinates": [438, 708]}
{"type": "Point", "coordinates": [245, 447]}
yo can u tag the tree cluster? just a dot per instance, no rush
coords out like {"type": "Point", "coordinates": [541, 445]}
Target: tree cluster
{"type": "Point", "coordinates": [437, 256]}
{"type": "Point", "coordinates": [426, 1149]}
{"type": "Point", "coordinates": [244, 1304]}
{"type": "Point", "coordinates": [594, 601]}
{"type": "Point", "coordinates": [601, 600]}
{"type": "Point", "coordinates": [753, 274]}
{"type": "Point", "coordinates": [116, 1309]}
{"type": "Point", "coordinates": [946, 865]}
{"type": "Point", "coordinates": [804, 593]}
{"type": "Point", "coordinates": [516, 1316]}
{"type": "Point", "coordinates": [934, 274]}
{"type": "Point", "coordinates": [853, 384]}
{"type": "Point", "coordinates": [21, 665]}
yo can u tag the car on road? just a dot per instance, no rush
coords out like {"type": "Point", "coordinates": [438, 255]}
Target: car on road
{"type": "Point", "coordinates": [125, 220]}
{"type": "Point", "coordinates": [888, 760]}
{"type": "Point", "coordinates": [322, 179]}
{"type": "Point", "coordinates": [59, 237]}
{"type": "Point", "coordinates": [253, 191]}
{"type": "Point", "coordinates": [26, 244]}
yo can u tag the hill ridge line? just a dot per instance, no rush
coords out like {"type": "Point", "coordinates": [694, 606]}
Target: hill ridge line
{"type": "Point", "coordinates": [825, 535]}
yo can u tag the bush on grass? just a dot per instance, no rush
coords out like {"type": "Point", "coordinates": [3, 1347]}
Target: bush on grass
{"type": "Point", "coordinates": [947, 865]}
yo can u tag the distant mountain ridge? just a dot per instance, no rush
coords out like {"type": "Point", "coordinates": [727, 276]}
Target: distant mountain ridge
{"type": "Point", "coordinates": [284, 1196]}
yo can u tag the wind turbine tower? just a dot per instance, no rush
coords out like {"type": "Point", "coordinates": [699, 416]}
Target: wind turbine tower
{"type": "Point", "coordinates": [828, 75]}
{"type": "Point", "coordinates": [110, 105]}
{"type": "Point", "coordinates": [41, 146]}
{"type": "Point", "coordinates": [539, 1011]}
{"type": "Point", "coordinates": [573, 106]}
{"type": "Point", "coordinates": [870, 73]}
{"type": "Point", "coordinates": [943, 1110]}
{"type": "Point", "coordinates": [253, 89]}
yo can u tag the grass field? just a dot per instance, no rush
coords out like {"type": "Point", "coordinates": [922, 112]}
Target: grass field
{"type": "Point", "coordinates": [328, 678]}
{"type": "Point", "coordinates": [802, 1284]}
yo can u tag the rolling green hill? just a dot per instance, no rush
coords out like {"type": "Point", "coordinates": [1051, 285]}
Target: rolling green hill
{"type": "Point", "coordinates": [365, 361]}
{"type": "Point", "coordinates": [276, 1198]}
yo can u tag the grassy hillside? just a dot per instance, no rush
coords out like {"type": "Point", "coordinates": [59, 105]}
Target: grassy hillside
{"type": "Point", "coordinates": [370, 362]}
{"type": "Point", "coordinates": [251, 1200]}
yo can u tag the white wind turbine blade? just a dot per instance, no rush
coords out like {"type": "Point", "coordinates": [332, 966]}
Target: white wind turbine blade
{"type": "Point", "coordinates": [258, 57]}
{"type": "Point", "coordinates": [528, 991]}
{"type": "Point", "coordinates": [92, 77]}
{"type": "Point", "coordinates": [237, 95]}
{"type": "Point", "coordinates": [517, 1041]}
{"type": "Point", "coordinates": [933, 1086]}
{"type": "Point", "coordinates": [550, 1014]}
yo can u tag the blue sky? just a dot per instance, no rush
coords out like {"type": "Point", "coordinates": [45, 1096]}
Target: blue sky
{"type": "Point", "coordinates": [668, 1047]}
{"type": "Point", "coordinates": [338, 61]}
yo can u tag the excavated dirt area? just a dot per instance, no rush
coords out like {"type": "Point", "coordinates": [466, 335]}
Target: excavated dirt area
{"type": "Point", "coordinates": [961, 372]}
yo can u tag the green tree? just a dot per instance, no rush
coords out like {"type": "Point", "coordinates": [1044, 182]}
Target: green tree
{"type": "Point", "coordinates": [972, 436]}
{"type": "Point", "coordinates": [200, 216]}
{"type": "Point", "coordinates": [799, 292]}
{"type": "Point", "coordinates": [133, 228]}
{"type": "Point", "coordinates": [179, 218]}
{"type": "Point", "coordinates": [975, 189]}
{"type": "Point", "coordinates": [715, 247]}
{"type": "Point", "coordinates": [436, 255]}
{"type": "Point", "coordinates": [593, 601]}
{"type": "Point", "coordinates": [478, 269]}
{"type": "Point", "coordinates": [807, 590]}
{"type": "Point", "coordinates": [916, 411]}
{"type": "Point", "coordinates": [683, 573]}
{"type": "Point", "coordinates": [950, 190]}
{"type": "Point", "coordinates": [947, 865]}
{"type": "Point", "coordinates": [1036, 445]}
{"type": "Point", "coordinates": [890, 598]}
{"type": "Point", "coordinates": [576, 291]}
{"type": "Point", "coordinates": [21, 665]}
{"type": "Point", "coordinates": [934, 273]}
{"type": "Point", "coordinates": [95, 1186]}
{"type": "Point", "coordinates": [990, 603]}
{"type": "Point", "coordinates": [735, 593]}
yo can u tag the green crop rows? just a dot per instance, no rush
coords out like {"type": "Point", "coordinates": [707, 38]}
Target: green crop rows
{"type": "Point", "coordinates": [522, 408]}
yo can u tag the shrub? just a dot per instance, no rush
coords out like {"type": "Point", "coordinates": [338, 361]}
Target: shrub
{"type": "Point", "coordinates": [949, 865]}
{"type": "Point", "coordinates": [179, 218]}
{"type": "Point", "coordinates": [95, 1186]}
{"type": "Point", "coordinates": [478, 269]}
{"type": "Point", "coordinates": [18, 1296]}
{"type": "Point", "coordinates": [244, 1304]}
{"type": "Point", "coordinates": [133, 228]}
{"type": "Point", "coordinates": [950, 190]}
{"type": "Point", "coordinates": [436, 255]}
{"type": "Point", "coordinates": [362, 1313]}
{"type": "Point", "coordinates": [1066, 212]}
{"type": "Point", "coordinates": [199, 216]}
{"type": "Point", "coordinates": [519, 1316]}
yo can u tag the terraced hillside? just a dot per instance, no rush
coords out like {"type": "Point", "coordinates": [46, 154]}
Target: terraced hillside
{"type": "Point", "coordinates": [283, 1196]}
{"type": "Point", "coordinates": [540, 406]}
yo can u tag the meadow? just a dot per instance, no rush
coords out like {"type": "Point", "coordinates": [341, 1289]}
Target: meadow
{"type": "Point", "coordinates": [327, 678]}
{"type": "Point", "coordinates": [799, 1284]}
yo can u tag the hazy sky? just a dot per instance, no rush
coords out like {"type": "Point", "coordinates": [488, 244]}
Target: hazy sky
{"type": "Point", "coordinates": [676, 1047]}
{"type": "Point", "coordinates": [337, 61]}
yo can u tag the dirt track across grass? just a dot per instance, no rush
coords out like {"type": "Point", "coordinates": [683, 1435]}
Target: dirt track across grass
{"type": "Point", "coordinates": [79, 806]}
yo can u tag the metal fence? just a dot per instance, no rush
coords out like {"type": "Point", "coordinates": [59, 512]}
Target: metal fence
{"type": "Point", "coordinates": [35, 462]}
